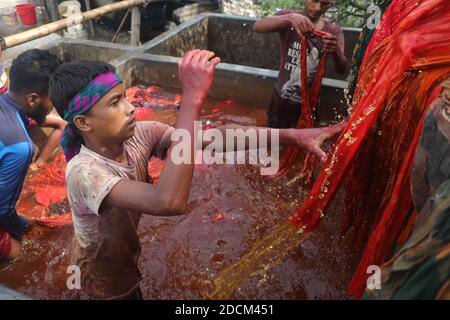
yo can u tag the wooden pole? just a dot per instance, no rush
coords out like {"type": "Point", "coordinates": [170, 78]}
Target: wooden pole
{"type": "Point", "coordinates": [135, 26]}
{"type": "Point", "coordinates": [46, 29]}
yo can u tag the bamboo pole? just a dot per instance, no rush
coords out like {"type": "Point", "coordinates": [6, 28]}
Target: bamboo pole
{"type": "Point", "coordinates": [46, 29]}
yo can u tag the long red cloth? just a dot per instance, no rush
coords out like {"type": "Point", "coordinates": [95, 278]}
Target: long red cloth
{"type": "Point", "coordinates": [309, 98]}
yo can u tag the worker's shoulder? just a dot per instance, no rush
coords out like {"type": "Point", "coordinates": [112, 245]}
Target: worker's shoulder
{"type": "Point", "coordinates": [12, 128]}
{"type": "Point", "coordinates": [83, 162]}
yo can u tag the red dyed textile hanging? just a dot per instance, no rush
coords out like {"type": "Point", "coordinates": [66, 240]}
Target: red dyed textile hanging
{"type": "Point", "coordinates": [375, 151]}
{"type": "Point", "coordinates": [310, 99]}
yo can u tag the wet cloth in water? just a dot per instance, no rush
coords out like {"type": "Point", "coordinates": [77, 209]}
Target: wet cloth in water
{"type": "Point", "coordinates": [106, 244]}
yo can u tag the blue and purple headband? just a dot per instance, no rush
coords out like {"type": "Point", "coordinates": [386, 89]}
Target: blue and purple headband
{"type": "Point", "coordinates": [80, 104]}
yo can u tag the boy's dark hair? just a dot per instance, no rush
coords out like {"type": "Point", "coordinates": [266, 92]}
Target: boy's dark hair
{"type": "Point", "coordinates": [31, 70]}
{"type": "Point", "coordinates": [70, 78]}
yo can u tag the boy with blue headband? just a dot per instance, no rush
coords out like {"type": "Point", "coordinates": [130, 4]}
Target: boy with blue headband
{"type": "Point", "coordinates": [108, 153]}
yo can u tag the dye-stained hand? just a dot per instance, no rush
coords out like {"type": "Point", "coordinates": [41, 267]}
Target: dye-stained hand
{"type": "Point", "coordinates": [300, 23]}
{"type": "Point", "coordinates": [330, 43]}
{"type": "Point", "coordinates": [312, 139]}
{"type": "Point", "coordinates": [196, 71]}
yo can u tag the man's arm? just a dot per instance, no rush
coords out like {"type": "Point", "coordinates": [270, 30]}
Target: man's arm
{"type": "Point", "coordinates": [170, 195]}
{"type": "Point", "coordinates": [308, 139]}
{"type": "Point", "coordinates": [300, 23]}
{"type": "Point", "coordinates": [332, 46]}
{"type": "Point", "coordinates": [54, 121]}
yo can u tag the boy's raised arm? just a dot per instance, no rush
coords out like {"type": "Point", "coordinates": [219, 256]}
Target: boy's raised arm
{"type": "Point", "coordinates": [300, 23]}
{"type": "Point", "coordinates": [170, 195]}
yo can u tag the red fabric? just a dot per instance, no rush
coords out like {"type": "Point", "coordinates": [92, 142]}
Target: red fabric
{"type": "Point", "coordinates": [151, 97]}
{"type": "Point", "coordinates": [44, 189]}
{"type": "Point", "coordinates": [310, 99]}
{"type": "Point", "coordinates": [5, 244]}
{"type": "Point", "coordinates": [376, 149]}
{"type": "Point", "coordinates": [155, 167]}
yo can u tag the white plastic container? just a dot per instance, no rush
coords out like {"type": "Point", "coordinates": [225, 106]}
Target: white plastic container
{"type": "Point", "coordinates": [9, 16]}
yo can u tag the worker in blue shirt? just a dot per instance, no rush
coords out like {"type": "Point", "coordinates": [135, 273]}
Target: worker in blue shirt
{"type": "Point", "coordinates": [27, 98]}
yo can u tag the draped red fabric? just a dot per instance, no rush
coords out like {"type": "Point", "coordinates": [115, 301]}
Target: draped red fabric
{"type": "Point", "coordinates": [396, 11]}
{"type": "Point", "coordinates": [310, 98]}
{"type": "Point", "coordinates": [375, 151]}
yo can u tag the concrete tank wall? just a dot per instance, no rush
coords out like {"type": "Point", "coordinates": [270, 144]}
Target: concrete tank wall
{"type": "Point", "coordinates": [250, 85]}
{"type": "Point", "coordinates": [232, 38]}
{"type": "Point", "coordinates": [68, 50]}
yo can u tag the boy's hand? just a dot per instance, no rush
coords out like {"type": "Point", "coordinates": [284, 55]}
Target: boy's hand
{"type": "Point", "coordinates": [312, 139]}
{"type": "Point", "coordinates": [300, 23]}
{"type": "Point", "coordinates": [330, 44]}
{"type": "Point", "coordinates": [196, 71]}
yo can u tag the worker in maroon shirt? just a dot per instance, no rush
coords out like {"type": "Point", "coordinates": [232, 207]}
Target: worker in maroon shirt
{"type": "Point", "coordinates": [285, 106]}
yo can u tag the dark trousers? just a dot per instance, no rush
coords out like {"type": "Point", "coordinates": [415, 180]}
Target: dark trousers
{"type": "Point", "coordinates": [282, 113]}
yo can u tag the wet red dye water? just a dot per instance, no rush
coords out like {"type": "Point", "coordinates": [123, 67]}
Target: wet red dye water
{"type": "Point", "coordinates": [230, 208]}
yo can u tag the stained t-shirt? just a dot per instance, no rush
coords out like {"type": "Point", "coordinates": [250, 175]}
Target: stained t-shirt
{"type": "Point", "coordinates": [288, 83]}
{"type": "Point", "coordinates": [106, 244]}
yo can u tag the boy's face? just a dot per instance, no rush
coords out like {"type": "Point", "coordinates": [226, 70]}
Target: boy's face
{"type": "Point", "coordinates": [112, 118]}
{"type": "Point", "coordinates": [314, 9]}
